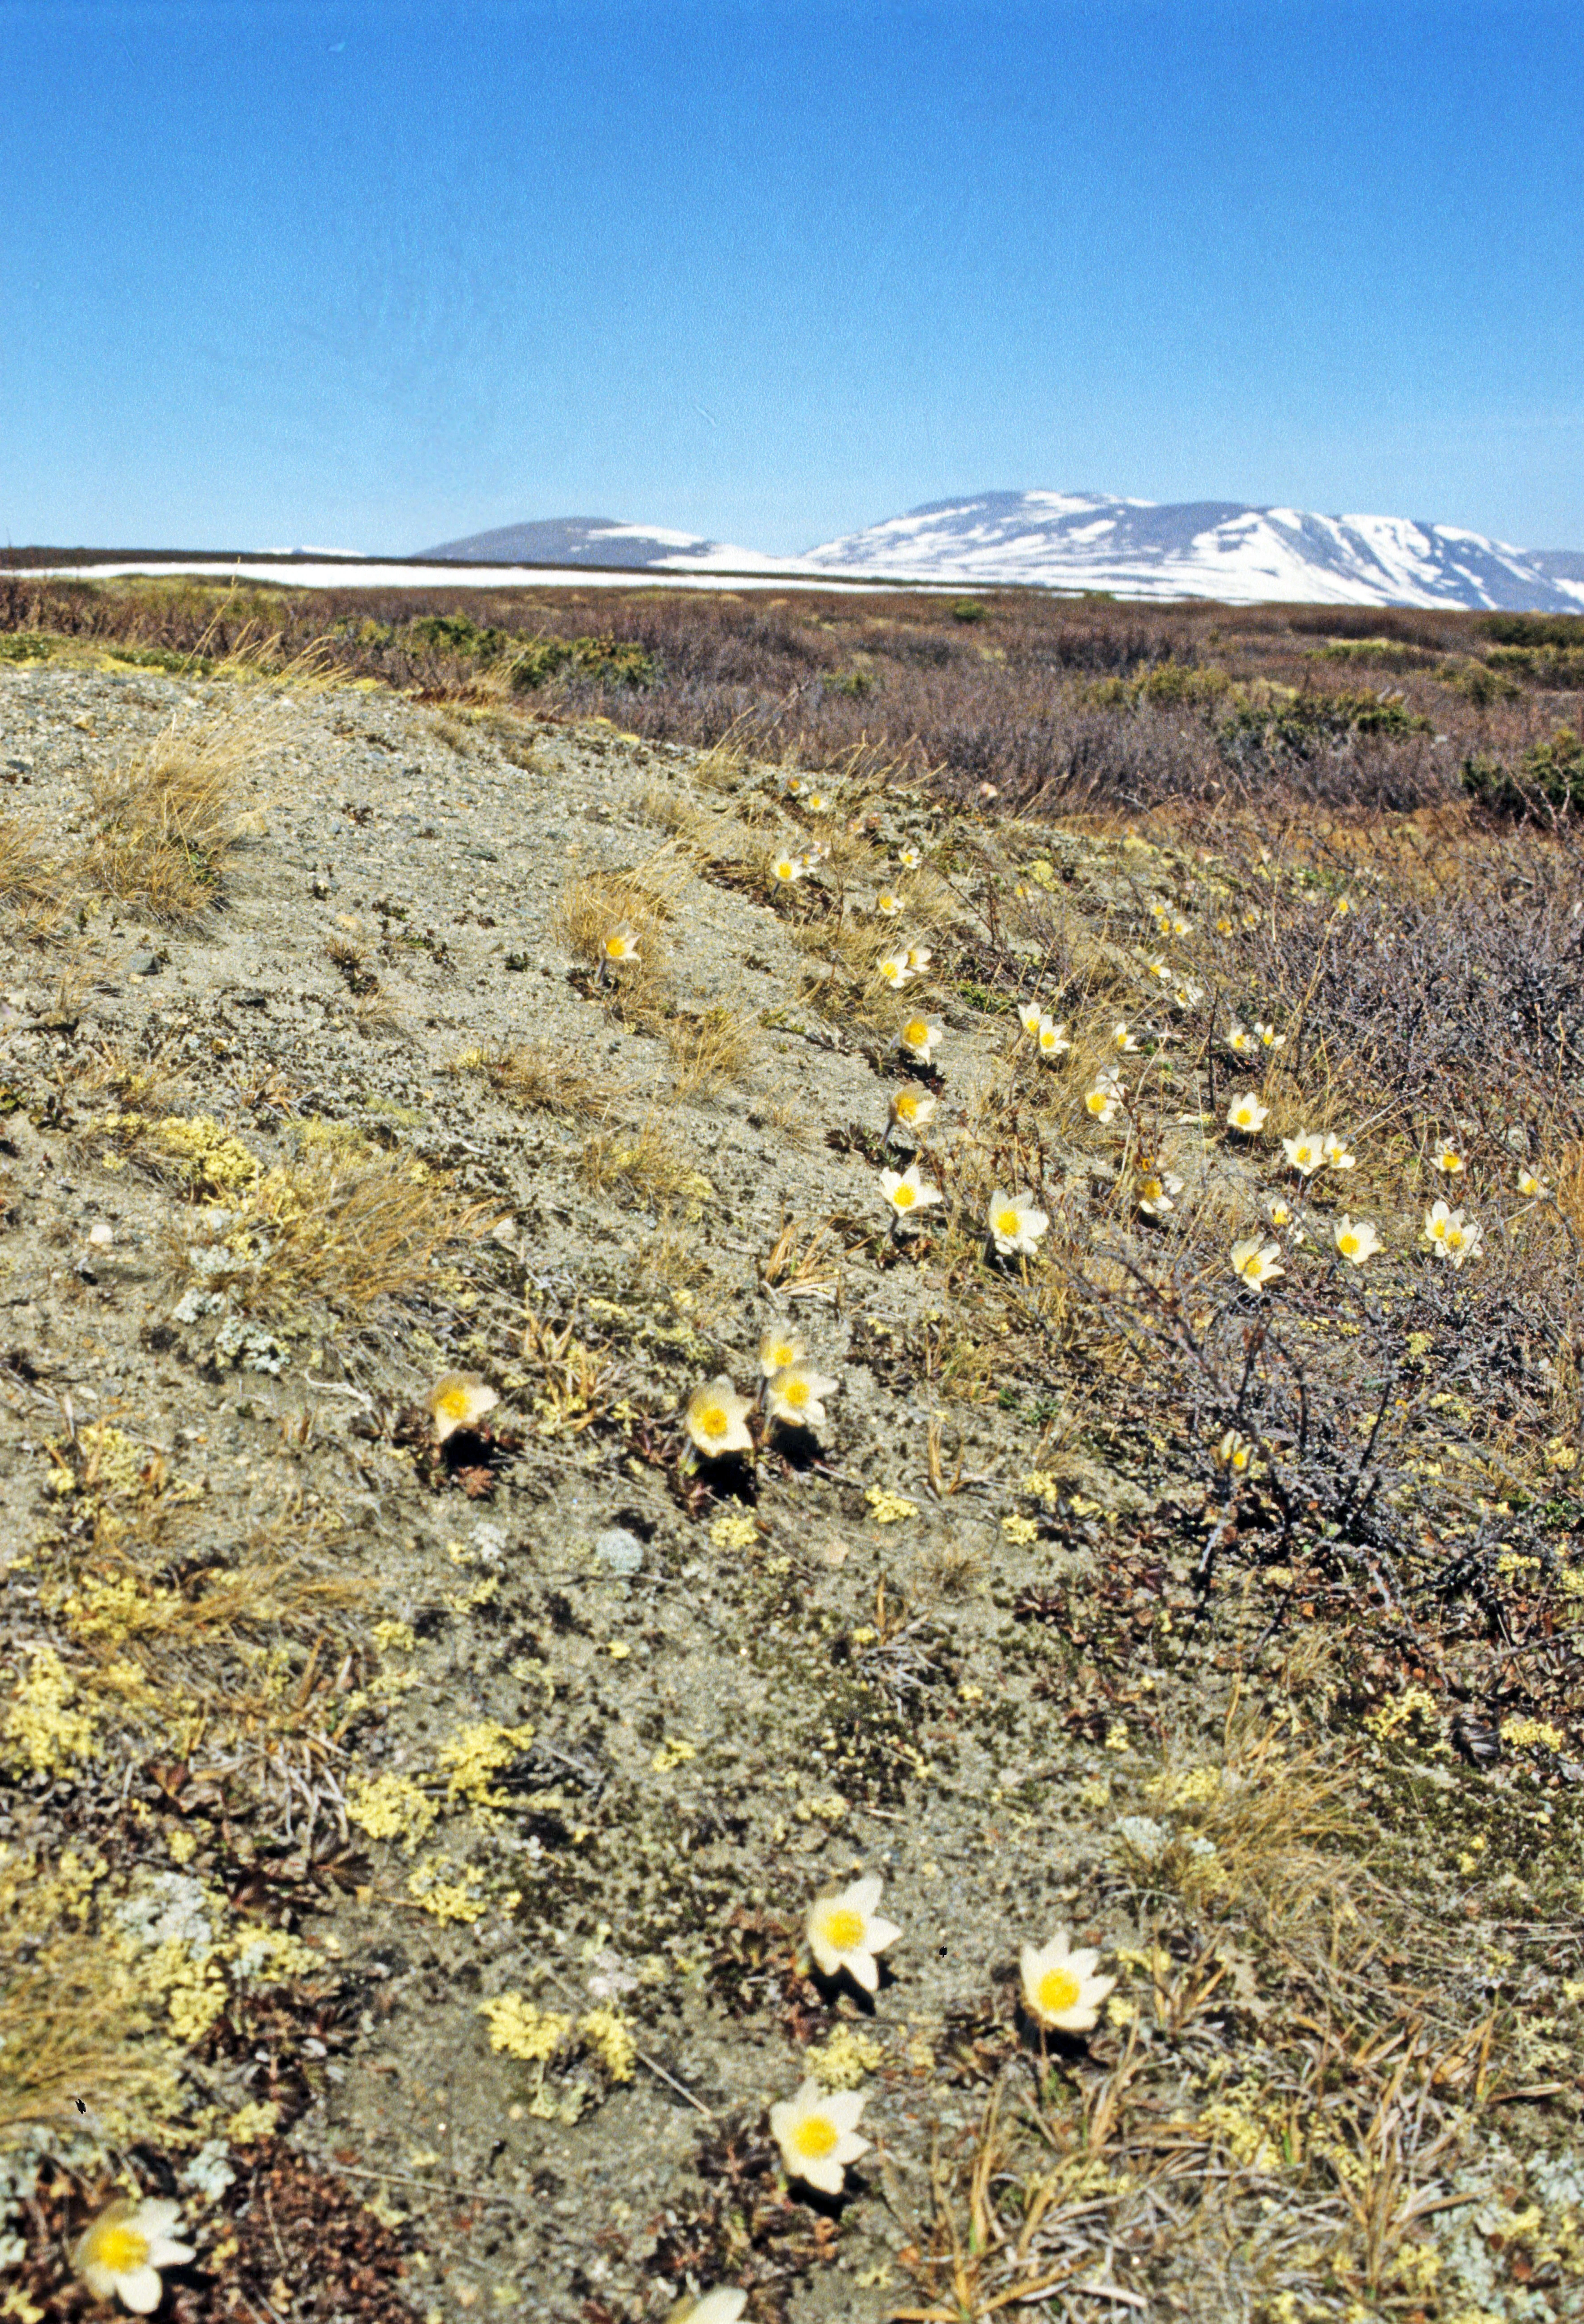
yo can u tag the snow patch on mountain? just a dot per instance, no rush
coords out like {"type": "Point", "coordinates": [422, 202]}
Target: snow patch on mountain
{"type": "Point", "coordinates": [1224, 549]}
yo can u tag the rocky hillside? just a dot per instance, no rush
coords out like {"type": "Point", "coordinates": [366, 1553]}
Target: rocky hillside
{"type": "Point", "coordinates": [763, 1540]}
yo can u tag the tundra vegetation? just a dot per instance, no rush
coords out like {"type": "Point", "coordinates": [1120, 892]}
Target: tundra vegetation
{"type": "Point", "coordinates": [792, 1459]}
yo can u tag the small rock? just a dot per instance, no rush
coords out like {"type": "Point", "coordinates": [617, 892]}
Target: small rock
{"type": "Point", "coordinates": [145, 964]}
{"type": "Point", "coordinates": [621, 1550]}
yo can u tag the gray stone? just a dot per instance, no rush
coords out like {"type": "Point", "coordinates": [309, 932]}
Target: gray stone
{"type": "Point", "coordinates": [620, 1550]}
{"type": "Point", "coordinates": [145, 964]}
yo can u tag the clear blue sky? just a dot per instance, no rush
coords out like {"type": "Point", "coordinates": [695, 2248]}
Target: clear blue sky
{"type": "Point", "coordinates": [373, 273]}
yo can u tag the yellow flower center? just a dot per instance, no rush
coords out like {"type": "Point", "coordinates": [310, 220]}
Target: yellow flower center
{"type": "Point", "coordinates": [815, 2137]}
{"type": "Point", "coordinates": [1455, 1238]}
{"type": "Point", "coordinates": [614, 948]}
{"type": "Point", "coordinates": [904, 1198]}
{"type": "Point", "coordinates": [1058, 1990]}
{"type": "Point", "coordinates": [1006, 1224]}
{"type": "Point", "coordinates": [916, 1033]}
{"type": "Point", "coordinates": [454, 1404]}
{"type": "Point", "coordinates": [795, 1392]}
{"type": "Point", "coordinates": [1152, 1190]}
{"type": "Point", "coordinates": [781, 1355]}
{"type": "Point", "coordinates": [1348, 1244]}
{"type": "Point", "coordinates": [844, 1928]}
{"type": "Point", "coordinates": [907, 1106]}
{"type": "Point", "coordinates": [713, 1421]}
{"type": "Point", "coordinates": [121, 2250]}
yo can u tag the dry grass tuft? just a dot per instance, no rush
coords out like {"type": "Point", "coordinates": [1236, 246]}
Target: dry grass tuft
{"type": "Point", "coordinates": [335, 1229]}
{"type": "Point", "coordinates": [167, 820]}
{"type": "Point", "coordinates": [545, 1078]}
{"type": "Point", "coordinates": [708, 1051]}
{"type": "Point", "coordinates": [644, 1164]}
{"type": "Point", "coordinates": [645, 899]}
{"type": "Point", "coordinates": [35, 886]}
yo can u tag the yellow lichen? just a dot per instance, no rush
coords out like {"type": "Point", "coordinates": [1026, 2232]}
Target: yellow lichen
{"type": "Point", "coordinates": [733, 1533]}
{"type": "Point", "coordinates": [42, 1728]}
{"type": "Point", "coordinates": [887, 1508]}
{"type": "Point", "coordinates": [1532, 1734]}
{"type": "Point", "coordinates": [249, 2123]}
{"type": "Point", "coordinates": [391, 1807]}
{"type": "Point", "coordinates": [672, 1753]}
{"type": "Point", "coordinates": [523, 2031]}
{"type": "Point", "coordinates": [842, 2062]}
{"type": "Point", "coordinates": [608, 2037]}
{"type": "Point", "coordinates": [1414, 1702]}
{"type": "Point", "coordinates": [476, 1755]}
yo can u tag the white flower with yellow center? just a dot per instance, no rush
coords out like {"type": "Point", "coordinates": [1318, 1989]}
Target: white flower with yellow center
{"type": "Point", "coordinates": [619, 945]}
{"type": "Point", "coordinates": [1155, 1190]}
{"type": "Point", "coordinates": [1356, 1240]}
{"type": "Point", "coordinates": [1101, 1102]}
{"type": "Point", "coordinates": [920, 956]}
{"type": "Point", "coordinates": [1269, 1037]}
{"type": "Point", "coordinates": [1122, 1037]}
{"type": "Point", "coordinates": [125, 2249]}
{"type": "Point", "coordinates": [1052, 1037]}
{"type": "Point", "coordinates": [887, 904]}
{"type": "Point", "coordinates": [794, 1396]}
{"type": "Point", "coordinates": [459, 1400]}
{"type": "Point", "coordinates": [1449, 1161]}
{"type": "Point", "coordinates": [918, 1037]}
{"type": "Point", "coordinates": [1306, 1152]}
{"type": "Point", "coordinates": [777, 1349]}
{"type": "Point", "coordinates": [1238, 1041]}
{"type": "Point", "coordinates": [1337, 1153]}
{"type": "Point", "coordinates": [1181, 928]}
{"type": "Point", "coordinates": [1451, 1236]}
{"type": "Point", "coordinates": [1279, 1213]}
{"type": "Point", "coordinates": [717, 1419]}
{"type": "Point", "coordinates": [909, 858]}
{"type": "Point", "coordinates": [1016, 1225]}
{"type": "Point", "coordinates": [1156, 967]}
{"type": "Point", "coordinates": [894, 969]}
{"type": "Point", "coordinates": [1532, 1188]}
{"type": "Point", "coordinates": [1031, 1016]}
{"type": "Point", "coordinates": [913, 1109]}
{"type": "Point", "coordinates": [792, 785]}
{"type": "Point", "coordinates": [845, 1933]}
{"type": "Point", "coordinates": [1234, 1452]}
{"type": "Point", "coordinates": [1224, 927]}
{"type": "Point", "coordinates": [815, 2134]}
{"type": "Point", "coordinates": [817, 803]}
{"type": "Point", "coordinates": [1256, 1263]}
{"type": "Point", "coordinates": [786, 871]}
{"type": "Point", "coordinates": [1059, 1987]}
{"type": "Point", "coordinates": [1246, 1115]}
{"type": "Point", "coordinates": [906, 1192]}
{"type": "Point", "coordinates": [1187, 995]}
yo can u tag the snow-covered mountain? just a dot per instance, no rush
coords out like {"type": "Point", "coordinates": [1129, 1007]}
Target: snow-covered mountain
{"type": "Point", "coordinates": [1093, 541]}
{"type": "Point", "coordinates": [602, 541]}
{"type": "Point", "coordinates": [1204, 549]}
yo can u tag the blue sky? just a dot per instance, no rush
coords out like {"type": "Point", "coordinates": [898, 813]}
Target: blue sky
{"type": "Point", "coordinates": [374, 275]}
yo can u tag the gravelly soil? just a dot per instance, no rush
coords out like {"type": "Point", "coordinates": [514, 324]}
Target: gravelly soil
{"type": "Point", "coordinates": [786, 1692]}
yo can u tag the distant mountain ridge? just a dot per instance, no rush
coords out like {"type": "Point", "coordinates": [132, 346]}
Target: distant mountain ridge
{"type": "Point", "coordinates": [1225, 550]}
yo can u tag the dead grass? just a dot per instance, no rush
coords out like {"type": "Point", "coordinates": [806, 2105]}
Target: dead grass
{"type": "Point", "coordinates": [644, 1164]}
{"type": "Point", "coordinates": [36, 886]}
{"type": "Point", "coordinates": [332, 1231]}
{"type": "Point", "coordinates": [544, 1077]}
{"type": "Point", "coordinates": [709, 1051]}
{"type": "Point", "coordinates": [644, 899]}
